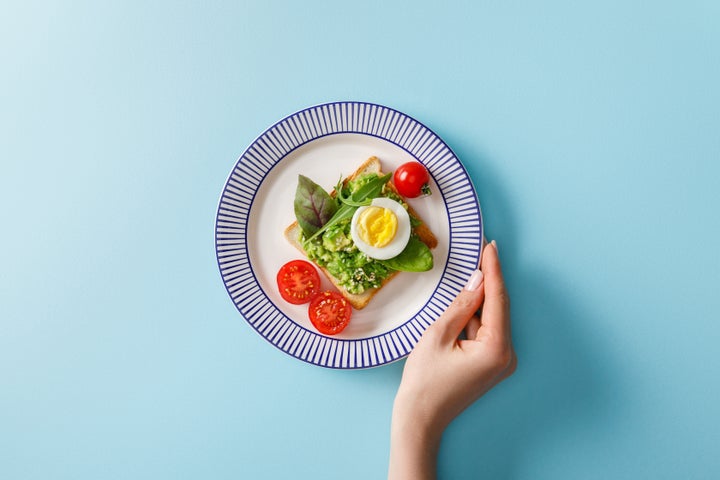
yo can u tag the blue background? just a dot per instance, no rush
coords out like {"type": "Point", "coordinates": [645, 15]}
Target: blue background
{"type": "Point", "coordinates": [591, 131]}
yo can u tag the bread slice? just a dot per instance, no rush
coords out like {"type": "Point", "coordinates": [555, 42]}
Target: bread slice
{"type": "Point", "coordinates": [359, 301]}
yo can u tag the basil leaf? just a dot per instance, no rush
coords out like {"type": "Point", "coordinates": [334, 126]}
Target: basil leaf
{"type": "Point", "coordinates": [416, 257]}
{"type": "Point", "coordinates": [368, 191]}
{"type": "Point", "coordinates": [314, 207]}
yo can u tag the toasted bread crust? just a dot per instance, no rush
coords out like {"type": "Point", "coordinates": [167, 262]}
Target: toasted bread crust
{"type": "Point", "coordinates": [359, 301]}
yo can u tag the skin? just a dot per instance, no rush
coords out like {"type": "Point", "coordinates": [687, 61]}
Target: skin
{"type": "Point", "coordinates": [446, 373]}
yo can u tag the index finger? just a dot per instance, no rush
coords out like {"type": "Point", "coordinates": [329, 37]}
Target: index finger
{"type": "Point", "coordinates": [496, 308]}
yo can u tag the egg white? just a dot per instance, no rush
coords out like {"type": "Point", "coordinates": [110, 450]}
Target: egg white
{"type": "Point", "coordinates": [402, 235]}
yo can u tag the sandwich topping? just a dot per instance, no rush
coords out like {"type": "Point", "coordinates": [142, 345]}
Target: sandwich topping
{"type": "Point", "coordinates": [365, 235]}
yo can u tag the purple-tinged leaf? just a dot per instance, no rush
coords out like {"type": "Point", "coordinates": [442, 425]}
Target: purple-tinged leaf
{"type": "Point", "coordinates": [313, 205]}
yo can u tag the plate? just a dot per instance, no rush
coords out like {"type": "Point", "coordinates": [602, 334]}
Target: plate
{"type": "Point", "coordinates": [326, 142]}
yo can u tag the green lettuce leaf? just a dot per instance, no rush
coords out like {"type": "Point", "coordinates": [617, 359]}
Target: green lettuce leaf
{"type": "Point", "coordinates": [416, 257]}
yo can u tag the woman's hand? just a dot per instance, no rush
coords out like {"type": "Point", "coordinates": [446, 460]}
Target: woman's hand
{"type": "Point", "coordinates": [444, 374]}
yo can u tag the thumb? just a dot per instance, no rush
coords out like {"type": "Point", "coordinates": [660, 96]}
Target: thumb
{"type": "Point", "coordinates": [496, 310]}
{"type": "Point", "coordinates": [459, 312]}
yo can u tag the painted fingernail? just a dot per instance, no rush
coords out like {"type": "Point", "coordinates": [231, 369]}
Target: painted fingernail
{"type": "Point", "coordinates": [494, 244]}
{"type": "Point", "coordinates": [474, 281]}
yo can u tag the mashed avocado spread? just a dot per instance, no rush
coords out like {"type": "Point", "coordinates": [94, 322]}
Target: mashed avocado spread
{"type": "Point", "coordinates": [335, 250]}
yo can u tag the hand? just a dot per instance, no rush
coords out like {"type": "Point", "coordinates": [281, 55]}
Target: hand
{"type": "Point", "coordinates": [445, 374]}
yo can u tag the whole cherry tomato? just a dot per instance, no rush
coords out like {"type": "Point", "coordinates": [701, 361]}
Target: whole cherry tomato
{"type": "Point", "coordinates": [411, 180]}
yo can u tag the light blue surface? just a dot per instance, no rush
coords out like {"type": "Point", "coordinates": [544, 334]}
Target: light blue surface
{"type": "Point", "coordinates": [592, 133]}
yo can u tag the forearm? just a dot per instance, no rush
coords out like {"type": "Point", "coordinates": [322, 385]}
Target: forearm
{"type": "Point", "coordinates": [413, 449]}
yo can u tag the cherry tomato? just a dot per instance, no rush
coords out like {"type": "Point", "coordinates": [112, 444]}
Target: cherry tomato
{"type": "Point", "coordinates": [329, 312]}
{"type": "Point", "coordinates": [411, 180]}
{"type": "Point", "coordinates": [298, 282]}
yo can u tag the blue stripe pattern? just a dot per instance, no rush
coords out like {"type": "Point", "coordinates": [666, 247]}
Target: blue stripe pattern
{"type": "Point", "coordinates": [463, 210]}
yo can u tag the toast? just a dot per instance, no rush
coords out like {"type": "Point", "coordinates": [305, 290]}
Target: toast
{"type": "Point", "coordinates": [293, 234]}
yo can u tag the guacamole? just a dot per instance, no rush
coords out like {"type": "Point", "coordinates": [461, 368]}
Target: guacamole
{"type": "Point", "coordinates": [335, 251]}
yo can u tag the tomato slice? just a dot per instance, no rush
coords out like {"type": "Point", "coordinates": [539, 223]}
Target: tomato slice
{"type": "Point", "coordinates": [411, 180]}
{"type": "Point", "coordinates": [298, 282]}
{"type": "Point", "coordinates": [329, 312]}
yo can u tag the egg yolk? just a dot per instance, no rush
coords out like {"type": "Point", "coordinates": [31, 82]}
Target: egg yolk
{"type": "Point", "coordinates": [377, 226]}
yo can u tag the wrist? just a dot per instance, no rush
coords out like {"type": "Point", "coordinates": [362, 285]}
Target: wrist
{"type": "Point", "coordinates": [415, 435]}
{"type": "Point", "coordinates": [414, 445]}
{"type": "Point", "coordinates": [412, 414]}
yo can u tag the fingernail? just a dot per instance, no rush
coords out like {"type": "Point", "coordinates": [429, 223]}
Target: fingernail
{"type": "Point", "coordinates": [474, 281]}
{"type": "Point", "coordinates": [494, 244]}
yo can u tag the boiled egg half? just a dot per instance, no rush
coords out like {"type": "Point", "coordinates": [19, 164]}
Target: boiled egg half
{"type": "Point", "coordinates": [381, 230]}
